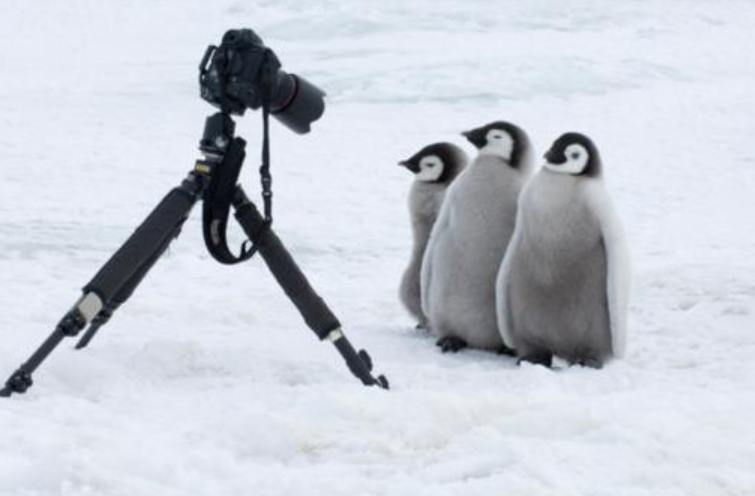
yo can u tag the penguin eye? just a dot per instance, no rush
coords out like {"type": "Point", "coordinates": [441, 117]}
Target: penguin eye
{"type": "Point", "coordinates": [430, 164]}
{"type": "Point", "coordinates": [575, 155]}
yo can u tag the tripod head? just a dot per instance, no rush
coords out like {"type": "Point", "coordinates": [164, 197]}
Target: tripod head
{"type": "Point", "coordinates": [218, 133]}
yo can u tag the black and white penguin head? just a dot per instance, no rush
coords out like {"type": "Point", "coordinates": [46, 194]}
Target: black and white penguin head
{"type": "Point", "coordinates": [500, 139]}
{"type": "Point", "coordinates": [436, 163]}
{"type": "Point", "coordinates": [574, 154]}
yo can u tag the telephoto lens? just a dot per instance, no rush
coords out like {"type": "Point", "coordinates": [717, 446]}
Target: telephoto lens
{"type": "Point", "coordinates": [297, 102]}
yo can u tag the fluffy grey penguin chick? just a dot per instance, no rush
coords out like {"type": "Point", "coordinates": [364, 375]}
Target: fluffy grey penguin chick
{"type": "Point", "coordinates": [563, 287]}
{"type": "Point", "coordinates": [470, 237]}
{"type": "Point", "coordinates": [434, 167]}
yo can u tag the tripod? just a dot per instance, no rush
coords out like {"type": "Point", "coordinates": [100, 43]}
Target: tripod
{"type": "Point", "coordinates": [117, 280]}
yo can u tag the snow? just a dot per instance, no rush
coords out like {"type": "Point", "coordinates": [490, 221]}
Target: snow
{"type": "Point", "coordinates": [208, 383]}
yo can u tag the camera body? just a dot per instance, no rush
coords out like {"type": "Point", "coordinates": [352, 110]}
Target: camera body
{"type": "Point", "coordinates": [243, 73]}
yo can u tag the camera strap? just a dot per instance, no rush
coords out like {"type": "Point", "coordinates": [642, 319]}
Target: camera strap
{"type": "Point", "coordinates": [265, 177]}
{"type": "Point", "coordinates": [217, 205]}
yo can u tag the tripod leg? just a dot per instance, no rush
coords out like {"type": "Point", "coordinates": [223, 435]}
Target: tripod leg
{"type": "Point", "coordinates": [138, 253]}
{"type": "Point", "coordinates": [313, 309]}
{"type": "Point", "coordinates": [157, 230]}
{"type": "Point", "coordinates": [124, 294]}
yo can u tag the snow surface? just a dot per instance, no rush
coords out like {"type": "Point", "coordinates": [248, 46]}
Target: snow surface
{"type": "Point", "coordinates": [208, 383]}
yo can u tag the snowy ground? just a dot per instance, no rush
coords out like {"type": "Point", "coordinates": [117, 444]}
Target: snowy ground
{"type": "Point", "coordinates": [207, 383]}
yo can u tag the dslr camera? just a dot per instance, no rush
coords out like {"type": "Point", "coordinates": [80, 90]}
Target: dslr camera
{"type": "Point", "coordinates": [243, 73]}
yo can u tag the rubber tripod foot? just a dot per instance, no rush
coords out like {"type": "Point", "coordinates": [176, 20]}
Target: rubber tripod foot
{"type": "Point", "coordinates": [19, 382]}
{"type": "Point", "coordinates": [382, 381]}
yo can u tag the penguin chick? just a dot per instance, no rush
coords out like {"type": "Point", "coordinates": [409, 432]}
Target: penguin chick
{"type": "Point", "coordinates": [434, 167]}
{"type": "Point", "coordinates": [470, 237]}
{"type": "Point", "coordinates": [563, 287]}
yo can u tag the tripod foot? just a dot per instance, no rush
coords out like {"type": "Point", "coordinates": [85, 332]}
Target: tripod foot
{"type": "Point", "coordinates": [383, 382]}
{"type": "Point", "coordinates": [359, 363]}
{"type": "Point", "coordinates": [19, 382]}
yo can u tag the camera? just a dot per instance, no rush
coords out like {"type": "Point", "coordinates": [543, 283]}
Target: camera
{"type": "Point", "coordinates": [243, 73]}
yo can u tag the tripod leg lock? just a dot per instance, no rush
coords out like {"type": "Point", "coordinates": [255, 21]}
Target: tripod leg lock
{"type": "Point", "coordinates": [70, 325]}
{"type": "Point", "coordinates": [89, 305]}
{"type": "Point", "coordinates": [83, 312]}
{"type": "Point", "coordinates": [334, 335]}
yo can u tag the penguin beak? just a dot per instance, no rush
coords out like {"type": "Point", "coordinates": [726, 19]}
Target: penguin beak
{"type": "Point", "coordinates": [409, 165]}
{"type": "Point", "coordinates": [555, 157]}
{"type": "Point", "coordinates": [475, 137]}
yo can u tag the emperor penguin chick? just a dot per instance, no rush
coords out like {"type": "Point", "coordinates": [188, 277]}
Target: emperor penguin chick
{"type": "Point", "coordinates": [563, 287]}
{"type": "Point", "coordinates": [434, 167]}
{"type": "Point", "coordinates": [470, 237]}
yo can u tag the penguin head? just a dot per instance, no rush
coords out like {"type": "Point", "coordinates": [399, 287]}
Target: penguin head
{"type": "Point", "coordinates": [436, 163]}
{"type": "Point", "coordinates": [500, 139]}
{"type": "Point", "coordinates": [574, 154]}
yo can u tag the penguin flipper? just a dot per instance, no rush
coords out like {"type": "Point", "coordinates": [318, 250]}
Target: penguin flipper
{"type": "Point", "coordinates": [425, 278]}
{"type": "Point", "coordinates": [618, 263]}
{"type": "Point", "coordinates": [426, 270]}
{"type": "Point", "coordinates": [501, 287]}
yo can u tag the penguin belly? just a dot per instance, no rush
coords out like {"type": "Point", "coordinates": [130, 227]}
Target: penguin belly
{"type": "Point", "coordinates": [460, 302]}
{"type": "Point", "coordinates": [465, 253]}
{"type": "Point", "coordinates": [556, 285]}
{"type": "Point", "coordinates": [424, 203]}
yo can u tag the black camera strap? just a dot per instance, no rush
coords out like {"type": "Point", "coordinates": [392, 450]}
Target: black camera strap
{"type": "Point", "coordinates": [217, 205]}
{"type": "Point", "coordinates": [265, 177]}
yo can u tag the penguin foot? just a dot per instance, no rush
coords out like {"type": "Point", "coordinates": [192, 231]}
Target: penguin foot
{"type": "Point", "coordinates": [451, 343]}
{"type": "Point", "coordinates": [593, 363]}
{"type": "Point", "coordinates": [505, 350]}
{"type": "Point", "coordinates": [542, 358]}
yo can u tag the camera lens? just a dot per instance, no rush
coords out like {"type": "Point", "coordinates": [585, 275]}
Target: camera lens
{"type": "Point", "coordinates": [297, 102]}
